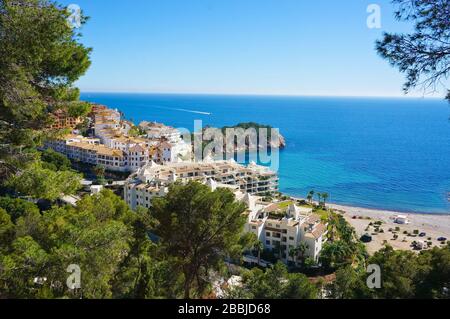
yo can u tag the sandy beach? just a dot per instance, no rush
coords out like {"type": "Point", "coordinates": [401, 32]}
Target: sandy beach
{"type": "Point", "coordinates": [434, 226]}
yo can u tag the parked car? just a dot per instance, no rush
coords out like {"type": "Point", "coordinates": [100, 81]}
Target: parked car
{"type": "Point", "coordinates": [367, 238]}
{"type": "Point", "coordinates": [422, 234]}
{"type": "Point", "coordinates": [442, 239]}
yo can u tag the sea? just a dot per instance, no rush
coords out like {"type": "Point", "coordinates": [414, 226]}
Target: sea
{"type": "Point", "coordinates": [380, 153]}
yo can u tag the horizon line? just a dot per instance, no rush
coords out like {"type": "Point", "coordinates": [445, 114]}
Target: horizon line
{"type": "Point", "coordinates": [405, 96]}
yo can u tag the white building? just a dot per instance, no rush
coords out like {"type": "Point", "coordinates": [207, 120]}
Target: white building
{"type": "Point", "coordinates": [158, 131]}
{"type": "Point", "coordinates": [283, 229]}
{"type": "Point", "coordinates": [90, 151]}
{"type": "Point", "coordinates": [252, 179]}
{"type": "Point", "coordinates": [279, 229]}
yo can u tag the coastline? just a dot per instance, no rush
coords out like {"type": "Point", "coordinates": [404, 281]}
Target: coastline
{"type": "Point", "coordinates": [434, 225]}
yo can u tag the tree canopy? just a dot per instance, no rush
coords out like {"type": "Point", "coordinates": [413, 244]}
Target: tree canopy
{"type": "Point", "coordinates": [424, 54]}
{"type": "Point", "coordinates": [97, 236]}
{"type": "Point", "coordinates": [40, 59]}
{"type": "Point", "coordinates": [404, 275]}
{"type": "Point", "coordinates": [55, 161]}
{"type": "Point", "coordinates": [41, 183]}
{"type": "Point", "coordinates": [198, 229]}
{"type": "Point", "coordinates": [274, 283]}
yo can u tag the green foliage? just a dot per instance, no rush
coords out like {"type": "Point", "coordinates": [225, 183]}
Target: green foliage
{"type": "Point", "coordinates": [423, 55]}
{"type": "Point", "coordinates": [404, 275]}
{"type": "Point", "coordinates": [97, 236]}
{"type": "Point", "coordinates": [79, 109]}
{"type": "Point", "coordinates": [136, 131]}
{"type": "Point", "coordinates": [6, 229]}
{"type": "Point", "coordinates": [336, 254]}
{"type": "Point", "coordinates": [25, 262]}
{"type": "Point", "coordinates": [399, 268]}
{"type": "Point", "coordinates": [197, 230]}
{"type": "Point", "coordinates": [350, 283]}
{"type": "Point", "coordinates": [40, 59]}
{"type": "Point", "coordinates": [343, 247]}
{"type": "Point", "coordinates": [55, 161]}
{"type": "Point", "coordinates": [99, 171]}
{"type": "Point", "coordinates": [42, 183]}
{"type": "Point", "coordinates": [275, 283]}
{"type": "Point", "coordinates": [17, 207]}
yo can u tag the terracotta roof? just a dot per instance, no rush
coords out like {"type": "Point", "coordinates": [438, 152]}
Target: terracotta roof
{"type": "Point", "coordinates": [272, 208]}
{"type": "Point", "coordinates": [313, 219]}
{"type": "Point", "coordinates": [318, 231]}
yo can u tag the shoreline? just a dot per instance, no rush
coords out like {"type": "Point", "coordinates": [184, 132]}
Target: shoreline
{"type": "Point", "coordinates": [395, 211]}
{"type": "Point", "coordinates": [433, 225]}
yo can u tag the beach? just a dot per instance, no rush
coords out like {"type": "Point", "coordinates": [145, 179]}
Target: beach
{"type": "Point", "coordinates": [434, 226]}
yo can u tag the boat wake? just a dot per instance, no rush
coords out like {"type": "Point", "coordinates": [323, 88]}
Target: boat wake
{"type": "Point", "coordinates": [193, 111]}
{"type": "Point", "coordinates": [181, 110]}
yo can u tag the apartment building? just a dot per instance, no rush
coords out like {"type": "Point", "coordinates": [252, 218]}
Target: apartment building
{"type": "Point", "coordinates": [252, 179]}
{"type": "Point", "coordinates": [159, 131]}
{"type": "Point", "coordinates": [280, 228]}
{"type": "Point", "coordinates": [91, 151]}
{"type": "Point", "coordinates": [283, 229]}
{"type": "Point", "coordinates": [62, 120]}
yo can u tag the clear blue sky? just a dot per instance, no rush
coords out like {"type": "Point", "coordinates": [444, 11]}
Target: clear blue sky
{"type": "Point", "coordinates": [293, 47]}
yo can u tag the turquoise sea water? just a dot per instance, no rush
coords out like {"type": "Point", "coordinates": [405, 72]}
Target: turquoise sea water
{"type": "Point", "coordinates": [377, 153]}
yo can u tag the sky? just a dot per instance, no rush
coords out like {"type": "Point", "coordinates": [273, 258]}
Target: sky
{"type": "Point", "coordinates": [273, 47]}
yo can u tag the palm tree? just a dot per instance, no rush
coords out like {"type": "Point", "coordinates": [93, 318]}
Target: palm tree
{"type": "Point", "coordinates": [302, 248]}
{"type": "Point", "coordinates": [293, 254]}
{"type": "Point", "coordinates": [325, 197]}
{"type": "Point", "coordinates": [99, 171]}
{"type": "Point", "coordinates": [299, 251]}
{"type": "Point", "coordinates": [319, 196]}
{"type": "Point", "coordinates": [310, 196]}
{"type": "Point", "coordinates": [259, 247]}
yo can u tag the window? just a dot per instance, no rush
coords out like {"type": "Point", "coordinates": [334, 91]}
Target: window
{"type": "Point", "coordinates": [291, 238]}
{"type": "Point", "coordinates": [268, 234]}
{"type": "Point", "coordinates": [267, 242]}
{"type": "Point", "coordinates": [254, 227]}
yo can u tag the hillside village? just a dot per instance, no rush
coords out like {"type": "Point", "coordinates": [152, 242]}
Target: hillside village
{"type": "Point", "coordinates": [157, 156]}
